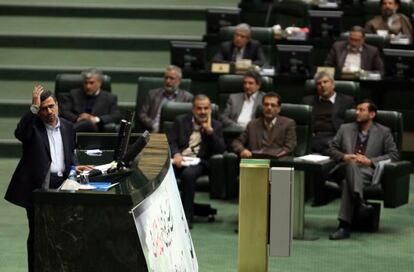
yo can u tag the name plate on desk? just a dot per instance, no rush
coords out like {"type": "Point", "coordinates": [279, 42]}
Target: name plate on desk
{"type": "Point", "coordinates": [220, 68]}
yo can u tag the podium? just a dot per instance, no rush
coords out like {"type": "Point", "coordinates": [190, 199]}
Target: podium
{"type": "Point", "coordinates": [90, 230]}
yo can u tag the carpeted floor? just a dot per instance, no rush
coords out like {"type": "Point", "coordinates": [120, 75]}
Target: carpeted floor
{"type": "Point", "coordinates": [391, 249]}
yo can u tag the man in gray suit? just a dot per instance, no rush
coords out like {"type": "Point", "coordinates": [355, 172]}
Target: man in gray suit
{"type": "Point", "coordinates": [361, 148]}
{"type": "Point", "coordinates": [241, 107]}
{"type": "Point", "coordinates": [149, 115]}
{"type": "Point", "coordinates": [328, 111]}
{"type": "Point", "coordinates": [354, 54]}
{"type": "Point", "coordinates": [91, 109]}
{"type": "Point", "coordinates": [270, 135]}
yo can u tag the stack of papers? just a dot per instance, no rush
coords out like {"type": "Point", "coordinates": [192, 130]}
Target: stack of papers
{"type": "Point", "coordinates": [316, 158]}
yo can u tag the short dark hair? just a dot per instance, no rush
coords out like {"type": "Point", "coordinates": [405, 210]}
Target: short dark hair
{"type": "Point", "coordinates": [372, 107]}
{"type": "Point", "coordinates": [358, 28]}
{"type": "Point", "coordinates": [272, 94]}
{"type": "Point", "coordinates": [46, 94]}
{"type": "Point", "coordinates": [200, 97]}
{"type": "Point", "coordinates": [398, 2]}
{"type": "Point", "coordinates": [255, 75]}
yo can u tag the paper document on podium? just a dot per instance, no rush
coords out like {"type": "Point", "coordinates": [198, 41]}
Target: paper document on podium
{"type": "Point", "coordinates": [316, 158]}
{"type": "Point", "coordinates": [72, 185]}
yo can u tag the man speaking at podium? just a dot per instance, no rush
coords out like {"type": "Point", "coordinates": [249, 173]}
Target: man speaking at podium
{"type": "Point", "coordinates": [48, 152]}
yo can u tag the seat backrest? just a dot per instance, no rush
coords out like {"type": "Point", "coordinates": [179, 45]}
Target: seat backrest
{"type": "Point", "coordinates": [66, 82]}
{"type": "Point", "coordinates": [370, 38]}
{"type": "Point", "coordinates": [171, 110]}
{"type": "Point", "coordinates": [302, 114]}
{"type": "Point", "coordinates": [350, 88]}
{"type": "Point", "coordinates": [390, 119]}
{"type": "Point", "coordinates": [291, 12]}
{"type": "Point", "coordinates": [229, 84]}
{"type": "Point", "coordinates": [145, 84]}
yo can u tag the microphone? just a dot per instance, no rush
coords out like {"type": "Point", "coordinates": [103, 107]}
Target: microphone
{"type": "Point", "coordinates": [136, 148]}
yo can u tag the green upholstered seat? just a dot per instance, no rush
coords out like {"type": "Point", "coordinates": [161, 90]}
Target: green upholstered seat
{"type": "Point", "coordinates": [302, 114]}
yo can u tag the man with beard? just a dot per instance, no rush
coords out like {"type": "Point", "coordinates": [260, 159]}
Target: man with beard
{"type": "Point", "coordinates": [354, 54]}
{"type": "Point", "coordinates": [149, 115]}
{"type": "Point", "coordinates": [328, 111]}
{"type": "Point", "coordinates": [395, 23]}
{"type": "Point", "coordinates": [48, 153]}
{"type": "Point", "coordinates": [270, 135]}
{"type": "Point", "coordinates": [241, 47]}
{"type": "Point", "coordinates": [194, 135]}
{"type": "Point", "coordinates": [360, 148]}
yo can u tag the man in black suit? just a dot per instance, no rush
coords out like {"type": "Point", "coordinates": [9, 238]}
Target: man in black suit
{"type": "Point", "coordinates": [242, 47]}
{"type": "Point", "coordinates": [354, 54]}
{"type": "Point", "coordinates": [328, 113]}
{"type": "Point", "coordinates": [194, 135]}
{"type": "Point", "coordinates": [48, 152]}
{"type": "Point", "coordinates": [91, 109]}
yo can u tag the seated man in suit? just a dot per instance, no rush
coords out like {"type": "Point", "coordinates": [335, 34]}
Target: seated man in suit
{"type": "Point", "coordinates": [242, 47]}
{"type": "Point", "coordinates": [91, 109]}
{"type": "Point", "coordinates": [270, 135]}
{"type": "Point", "coordinates": [194, 135]}
{"type": "Point", "coordinates": [391, 21]}
{"type": "Point", "coordinates": [149, 115]}
{"type": "Point", "coordinates": [241, 107]}
{"type": "Point", "coordinates": [355, 54]}
{"type": "Point", "coordinates": [328, 112]}
{"type": "Point", "coordinates": [361, 148]}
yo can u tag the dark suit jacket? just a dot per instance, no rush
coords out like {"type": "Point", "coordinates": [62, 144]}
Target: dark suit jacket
{"type": "Point", "coordinates": [380, 146]}
{"type": "Point", "coordinates": [35, 163]}
{"type": "Point", "coordinates": [342, 103]}
{"type": "Point", "coordinates": [234, 106]}
{"type": "Point", "coordinates": [370, 57]}
{"type": "Point", "coordinates": [180, 133]}
{"type": "Point", "coordinates": [152, 104]}
{"type": "Point", "coordinates": [105, 107]}
{"type": "Point", "coordinates": [283, 138]}
{"type": "Point", "coordinates": [252, 51]}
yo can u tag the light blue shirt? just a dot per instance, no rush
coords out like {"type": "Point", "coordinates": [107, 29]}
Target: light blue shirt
{"type": "Point", "coordinates": [56, 149]}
